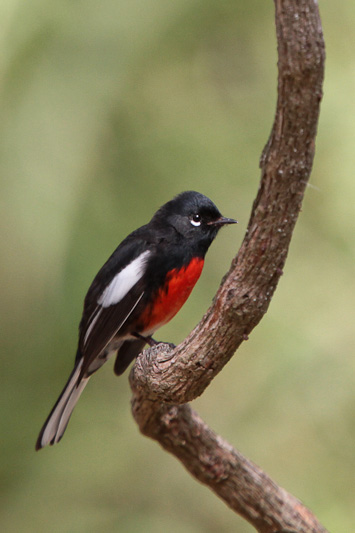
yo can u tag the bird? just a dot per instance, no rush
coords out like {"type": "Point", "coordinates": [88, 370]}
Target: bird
{"type": "Point", "coordinates": [141, 287]}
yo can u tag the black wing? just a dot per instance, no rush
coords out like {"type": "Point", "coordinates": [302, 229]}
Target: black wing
{"type": "Point", "coordinates": [102, 321]}
{"type": "Point", "coordinates": [106, 324]}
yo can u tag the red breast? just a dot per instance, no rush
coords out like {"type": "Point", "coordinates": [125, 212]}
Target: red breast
{"type": "Point", "coordinates": [172, 296]}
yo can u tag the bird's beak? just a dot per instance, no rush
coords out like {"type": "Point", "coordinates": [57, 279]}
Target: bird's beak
{"type": "Point", "coordinates": [222, 221]}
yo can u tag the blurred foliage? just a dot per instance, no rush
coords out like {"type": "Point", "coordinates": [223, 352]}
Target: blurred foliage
{"type": "Point", "coordinates": [107, 110]}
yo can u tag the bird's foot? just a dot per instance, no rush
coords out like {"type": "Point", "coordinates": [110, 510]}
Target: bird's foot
{"type": "Point", "coordinates": [149, 340]}
{"type": "Point", "coordinates": [152, 342]}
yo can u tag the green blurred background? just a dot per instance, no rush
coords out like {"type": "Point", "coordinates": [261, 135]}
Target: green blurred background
{"type": "Point", "coordinates": [108, 109]}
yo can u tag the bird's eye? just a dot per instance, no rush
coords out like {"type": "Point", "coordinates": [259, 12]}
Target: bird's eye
{"type": "Point", "coordinates": [196, 220]}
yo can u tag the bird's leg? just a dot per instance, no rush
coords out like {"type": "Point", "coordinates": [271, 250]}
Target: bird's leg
{"type": "Point", "coordinates": [149, 340]}
{"type": "Point", "coordinates": [152, 342]}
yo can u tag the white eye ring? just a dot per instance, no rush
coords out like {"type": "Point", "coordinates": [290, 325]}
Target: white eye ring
{"type": "Point", "coordinates": [196, 220]}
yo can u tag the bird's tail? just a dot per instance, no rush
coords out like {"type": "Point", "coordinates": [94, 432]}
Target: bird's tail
{"type": "Point", "coordinates": [57, 421]}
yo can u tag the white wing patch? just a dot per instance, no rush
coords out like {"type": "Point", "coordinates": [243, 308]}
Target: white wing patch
{"type": "Point", "coordinates": [124, 281]}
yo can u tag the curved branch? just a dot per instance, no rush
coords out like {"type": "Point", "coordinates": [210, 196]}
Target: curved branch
{"type": "Point", "coordinates": [242, 485]}
{"type": "Point", "coordinates": [163, 377]}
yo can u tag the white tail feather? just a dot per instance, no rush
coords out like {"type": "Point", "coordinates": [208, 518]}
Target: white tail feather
{"type": "Point", "coordinates": [58, 419]}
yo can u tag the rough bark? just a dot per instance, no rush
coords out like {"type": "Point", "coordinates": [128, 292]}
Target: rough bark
{"type": "Point", "coordinates": [163, 379]}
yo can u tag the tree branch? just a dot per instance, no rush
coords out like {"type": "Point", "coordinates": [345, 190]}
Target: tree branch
{"type": "Point", "coordinates": [164, 379]}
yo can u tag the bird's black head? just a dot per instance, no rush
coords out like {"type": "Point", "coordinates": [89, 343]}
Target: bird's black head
{"type": "Point", "coordinates": [193, 216]}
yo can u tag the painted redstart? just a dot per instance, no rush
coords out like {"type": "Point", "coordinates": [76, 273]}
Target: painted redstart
{"type": "Point", "coordinates": [141, 287]}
